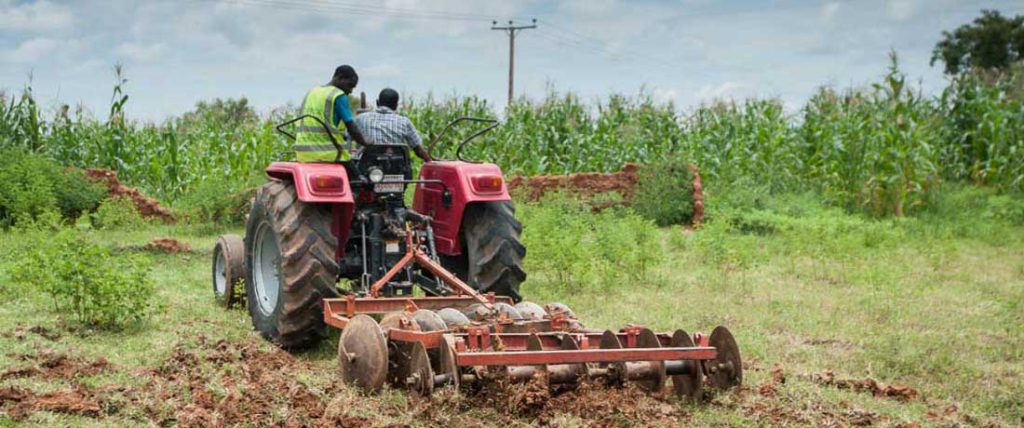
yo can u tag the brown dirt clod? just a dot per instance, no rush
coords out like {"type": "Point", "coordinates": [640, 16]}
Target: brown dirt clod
{"type": "Point", "coordinates": [52, 366]}
{"type": "Point", "coordinates": [77, 401]}
{"type": "Point", "coordinates": [895, 391]}
{"type": "Point", "coordinates": [584, 184]}
{"type": "Point", "coordinates": [45, 332]}
{"type": "Point", "coordinates": [589, 184]}
{"type": "Point", "coordinates": [148, 207]}
{"type": "Point", "coordinates": [168, 245]}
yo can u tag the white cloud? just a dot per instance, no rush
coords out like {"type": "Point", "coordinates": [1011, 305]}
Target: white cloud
{"type": "Point", "coordinates": [382, 71]}
{"type": "Point", "coordinates": [901, 10]}
{"type": "Point", "coordinates": [828, 11]}
{"type": "Point", "coordinates": [135, 52]}
{"type": "Point", "coordinates": [589, 7]}
{"type": "Point", "coordinates": [730, 89]}
{"type": "Point", "coordinates": [35, 17]}
{"type": "Point", "coordinates": [31, 50]}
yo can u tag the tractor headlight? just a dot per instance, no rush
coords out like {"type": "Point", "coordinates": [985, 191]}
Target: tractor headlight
{"type": "Point", "coordinates": [376, 175]}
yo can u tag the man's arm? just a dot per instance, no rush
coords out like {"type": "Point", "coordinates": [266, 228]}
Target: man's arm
{"type": "Point", "coordinates": [412, 138]}
{"type": "Point", "coordinates": [355, 134]}
{"type": "Point", "coordinates": [422, 153]}
{"type": "Point", "coordinates": [343, 114]}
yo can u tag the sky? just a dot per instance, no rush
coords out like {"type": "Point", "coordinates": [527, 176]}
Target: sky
{"type": "Point", "coordinates": [178, 52]}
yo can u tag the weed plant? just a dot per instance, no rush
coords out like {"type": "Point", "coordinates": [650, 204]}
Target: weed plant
{"type": "Point", "coordinates": [579, 251]}
{"type": "Point", "coordinates": [85, 280]}
{"type": "Point", "coordinates": [117, 213]}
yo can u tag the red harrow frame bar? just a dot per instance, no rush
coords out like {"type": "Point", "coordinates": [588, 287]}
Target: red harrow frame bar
{"type": "Point", "coordinates": [432, 341]}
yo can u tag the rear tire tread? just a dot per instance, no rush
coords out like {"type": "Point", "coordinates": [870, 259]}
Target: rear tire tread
{"type": "Point", "coordinates": [493, 249]}
{"type": "Point", "coordinates": [308, 268]}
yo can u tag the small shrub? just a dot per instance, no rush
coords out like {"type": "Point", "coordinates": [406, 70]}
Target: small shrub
{"type": "Point", "coordinates": [85, 280]}
{"type": "Point", "coordinates": [664, 192]}
{"type": "Point", "coordinates": [218, 201]}
{"type": "Point", "coordinates": [31, 185]}
{"type": "Point", "coordinates": [117, 213]}
{"type": "Point", "coordinates": [77, 194]}
{"type": "Point", "coordinates": [26, 187]}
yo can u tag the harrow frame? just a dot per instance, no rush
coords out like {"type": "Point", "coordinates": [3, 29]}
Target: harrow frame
{"type": "Point", "coordinates": [557, 345]}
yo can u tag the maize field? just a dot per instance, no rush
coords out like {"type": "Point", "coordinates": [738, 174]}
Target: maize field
{"type": "Point", "coordinates": [883, 149]}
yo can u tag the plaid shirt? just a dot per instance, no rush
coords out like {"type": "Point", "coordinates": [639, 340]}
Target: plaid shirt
{"type": "Point", "coordinates": [386, 127]}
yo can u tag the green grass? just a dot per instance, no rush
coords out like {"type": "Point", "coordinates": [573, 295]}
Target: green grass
{"type": "Point", "coordinates": [933, 303]}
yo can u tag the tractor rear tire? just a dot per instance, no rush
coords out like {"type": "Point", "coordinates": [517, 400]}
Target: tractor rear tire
{"type": "Point", "coordinates": [492, 260]}
{"type": "Point", "coordinates": [291, 265]}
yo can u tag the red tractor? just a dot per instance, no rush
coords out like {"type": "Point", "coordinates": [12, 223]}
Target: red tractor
{"type": "Point", "coordinates": [428, 296]}
{"type": "Point", "coordinates": [313, 224]}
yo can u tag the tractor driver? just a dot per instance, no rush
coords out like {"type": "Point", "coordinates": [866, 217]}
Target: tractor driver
{"type": "Point", "coordinates": [385, 126]}
{"type": "Point", "coordinates": [329, 104]}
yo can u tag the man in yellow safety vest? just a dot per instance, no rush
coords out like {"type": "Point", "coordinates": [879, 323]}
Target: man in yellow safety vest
{"type": "Point", "coordinates": [329, 104]}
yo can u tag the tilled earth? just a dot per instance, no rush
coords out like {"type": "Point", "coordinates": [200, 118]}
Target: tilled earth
{"type": "Point", "coordinates": [223, 383]}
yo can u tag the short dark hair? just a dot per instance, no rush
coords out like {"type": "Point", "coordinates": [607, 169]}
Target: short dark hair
{"type": "Point", "coordinates": [345, 72]}
{"type": "Point", "coordinates": [388, 97]}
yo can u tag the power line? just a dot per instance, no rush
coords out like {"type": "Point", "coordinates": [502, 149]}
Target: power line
{"type": "Point", "coordinates": [560, 35]}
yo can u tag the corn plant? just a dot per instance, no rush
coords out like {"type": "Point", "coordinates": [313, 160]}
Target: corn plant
{"type": "Point", "coordinates": [880, 150]}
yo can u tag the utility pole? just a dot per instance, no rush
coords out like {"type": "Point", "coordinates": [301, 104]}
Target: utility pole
{"type": "Point", "coordinates": [512, 29]}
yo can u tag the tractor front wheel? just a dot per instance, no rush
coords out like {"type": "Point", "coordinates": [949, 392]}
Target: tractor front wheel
{"type": "Point", "coordinates": [291, 266]}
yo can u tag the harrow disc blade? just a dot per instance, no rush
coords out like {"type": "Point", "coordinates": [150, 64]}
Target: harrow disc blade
{"type": "Point", "coordinates": [419, 376]}
{"type": "Point", "coordinates": [446, 364]}
{"type": "Point", "coordinates": [363, 354]}
{"type": "Point", "coordinates": [453, 318]}
{"type": "Point", "coordinates": [429, 320]}
{"type": "Point", "coordinates": [531, 311]}
{"type": "Point", "coordinates": [616, 370]}
{"type": "Point", "coordinates": [689, 383]}
{"type": "Point", "coordinates": [559, 308]}
{"type": "Point", "coordinates": [725, 371]}
{"type": "Point", "coordinates": [508, 311]}
{"type": "Point", "coordinates": [567, 373]}
{"type": "Point", "coordinates": [654, 381]}
{"type": "Point", "coordinates": [399, 353]}
{"type": "Point", "coordinates": [476, 312]}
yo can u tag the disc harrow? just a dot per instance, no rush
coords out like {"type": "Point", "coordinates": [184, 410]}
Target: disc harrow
{"type": "Point", "coordinates": [414, 347]}
{"type": "Point", "coordinates": [466, 338]}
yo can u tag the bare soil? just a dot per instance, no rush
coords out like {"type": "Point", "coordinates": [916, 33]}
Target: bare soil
{"type": "Point", "coordinates": [168, 245]}
{"type": "Point", "coordinates": [868, 385]}
{"type": "Point", "coordinates": [228, 383]}
{"type": "Point", "coordinates": [53, 365]}
{"type": "Point", "coordinates": [148, 207]}
{"type": "Point", "coordinates": [18, 403]}
{"type": "Point", "coordinates": [584, 184]}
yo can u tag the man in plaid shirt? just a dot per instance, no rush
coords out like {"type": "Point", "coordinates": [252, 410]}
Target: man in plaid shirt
{"type": "Point", "coordinates": [385, 126]}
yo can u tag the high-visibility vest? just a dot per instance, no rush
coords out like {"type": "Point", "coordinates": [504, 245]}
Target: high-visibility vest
{"type": "Point", "coordinates": [312, 143]}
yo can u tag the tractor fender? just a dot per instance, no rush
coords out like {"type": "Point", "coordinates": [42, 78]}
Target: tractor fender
{"type": "Point", "coordinates": [468, 183]}
{"type": "Point", "coordinates": [315, 182]}
{"type": "Point", "coordinates": [324, 183]}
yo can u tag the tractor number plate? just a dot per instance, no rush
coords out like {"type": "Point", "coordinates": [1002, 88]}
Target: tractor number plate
{"type": "Point", "coordinates": [387, 186]}
{"type": "Point", "coordinates": [391, 247]}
